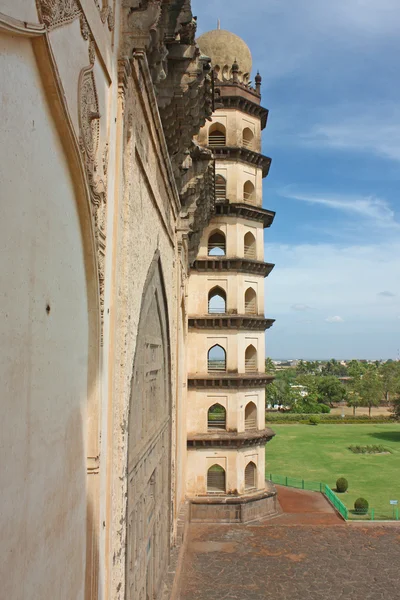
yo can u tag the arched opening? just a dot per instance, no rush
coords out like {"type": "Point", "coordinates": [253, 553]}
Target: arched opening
{"type": "Point", "coordinates": [216, 301]}
{"type": "Point", "coordinates": [220, 188]}
{"type": "Point", "coordinates": [216, 358]}
{"type": "Point", "coordinates": [250, 417]}
{"type": "Point", "coordinates": [216, 479]}
{"type": "Point", "coordinates": [249, 246]}
{"type": "Point", "coordinates": [249, 192]}
{"type": "Point", "coordinates": [216, 417]}
{"type": "Point", "coordinates": [250, 302]}
{"type": "Point", "coordinates": [250, 476]}
{"type": "Point", "coordinates": [247, 137]}
{"type": "Point", "coordinates": [217, 244]}
{"type": "Point", "coordinates": [250, 359]}
{"type": "Point", "coordinates": [217, 135]}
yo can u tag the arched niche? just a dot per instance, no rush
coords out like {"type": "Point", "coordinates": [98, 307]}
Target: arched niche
{"type": "Point", "coordinates": [216, 359]}
{"type": "Point", "coordinates": [250, 246]}
{"type": "Point", "coordinates": [216, 417]}
{"type": "Point", "coordinates": [250, 417]}
{"type": "Point", "coordinates": [249, 192]}
{"type": "Point", "coordinates": [217, 135]}
{"type": "Point", "coordinates": [247, 137]}
{"type": "Point", "coordinates": [216, 479]}
{"type": "Point", "coordinates": [220, 188]}
{"type": "Point", "coordinates": [217, 301]}
{"type": "Point", "coordinates": [250, 302]}
{"type": "Point", "coordinates": [216, 244]}
{"type": "Point", "coordinates": [250, 476]}
{"type": "Point", "coordinates": [250, 359]}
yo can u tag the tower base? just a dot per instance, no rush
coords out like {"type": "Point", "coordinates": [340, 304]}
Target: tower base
{"type": "Point", "coordinates": [234, 509]}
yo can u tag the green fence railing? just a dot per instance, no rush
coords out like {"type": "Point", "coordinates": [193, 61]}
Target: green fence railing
{"type": "Point", "coordinates": [336, 502]}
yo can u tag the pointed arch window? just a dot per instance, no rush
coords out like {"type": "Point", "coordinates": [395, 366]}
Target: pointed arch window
{"type": "Point", "coordinates": [250, 302]}
{"type": "Point", "coordinates": [250, 246]}
{"type": "Point", "coordinates": [217, 135]}
{"type": "Point", "coordinates": [216, 479]}
{"type": "Point", "coordinates": [216, 359]}
{"type": "Point", "coordinates": [216, 417]}
{"type": "Point", "coordinates": [250, 359]}
{"type": "Point", "coordinates": [250, 476]}
{"type": "Point", "coordinates": [250, 417]}
{"type": "Point", "coordinates": [247, 137]}
{"type": "Point", "coordinates": [217, 301]}
{"type": "Point", "coordinates": [217, 244]}
{"type": "Point", "coordinates": [220, 188]}
{"type": "Point", "coordinates": [249, 192]}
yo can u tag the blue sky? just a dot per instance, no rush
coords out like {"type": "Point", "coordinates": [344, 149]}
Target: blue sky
{"type": "Point", "coordinates": [331, 83]}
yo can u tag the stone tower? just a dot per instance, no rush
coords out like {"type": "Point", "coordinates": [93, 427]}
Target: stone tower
{"type": "Point", "coordinates": [226, 343]}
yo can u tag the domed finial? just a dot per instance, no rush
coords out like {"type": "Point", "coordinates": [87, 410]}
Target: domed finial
{"type": "Point", "coordinates": [258, 80]}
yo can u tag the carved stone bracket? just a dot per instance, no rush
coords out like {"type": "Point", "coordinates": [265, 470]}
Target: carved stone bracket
{"type": "Point", "coordinates": [197, 197]}
{"type": "Point", "coordinates": [96, 170]}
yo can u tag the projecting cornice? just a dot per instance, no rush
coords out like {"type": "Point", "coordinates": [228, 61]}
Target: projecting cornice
{"type": "Point", "coordinates": [239, 265]}
{"type": "Point", "coordinates": [245, 105]}
{"type": "Point", "coordinates": [246, 211]}
{"type": "Point", "coordinates": [230, 438]}
{"type": "Point", "coordinates": [243, 155]}
{"type": "Point", "coordinates": [226, 321]}
{"type": "Point", "coordinates": [230, 380]}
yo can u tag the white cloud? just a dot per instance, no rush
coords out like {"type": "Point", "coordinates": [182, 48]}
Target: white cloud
{"type": "Point", "coordinates": [300, 307]}
{"type": "Point", "coordinates": [387, 294]}
{"type": "Point", "coordinates": [366, 133]}
{"type": "Point", "coordinates": [336, 319]}
{"type": "Point", "coordinates": [370, 207]}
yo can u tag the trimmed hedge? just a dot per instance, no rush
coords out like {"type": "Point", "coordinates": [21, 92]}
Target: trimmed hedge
{"type": "Point", "coordinates": [278, 417]}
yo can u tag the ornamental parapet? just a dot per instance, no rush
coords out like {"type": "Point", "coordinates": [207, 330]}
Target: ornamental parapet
{"type": "Point", "coordinates": [227, 321]}
{"type": "Point", "coordinates": [240, 265]}
{"type": "Point", "coordinates": [243, 155]}
{"type": "Point", "coordinates": [229, 380]}
{"type": "Point", "coordinates": [228, 439]}
{"type": "Point", "coordinates": [246, 211]}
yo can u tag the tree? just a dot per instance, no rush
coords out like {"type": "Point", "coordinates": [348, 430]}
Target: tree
{"type": "Point", "coordinates": [390, 374]}
{"type": "Point", "coordinates": [269, 365]}
{"type": "Point", "coordinates": [330, 390]}
{"type": "Point", "coordinates": [371, 389]}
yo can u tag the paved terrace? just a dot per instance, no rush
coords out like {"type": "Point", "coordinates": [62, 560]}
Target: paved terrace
{"type": "Point", "coordinates": [305, 553]}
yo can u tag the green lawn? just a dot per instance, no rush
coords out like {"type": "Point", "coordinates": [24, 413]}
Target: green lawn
{"type": "Point", "coordinates": [320, 453]}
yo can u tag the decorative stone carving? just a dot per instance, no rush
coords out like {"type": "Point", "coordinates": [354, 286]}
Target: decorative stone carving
{"type": "Point", "coordinates": [139, 19]}
{"type": "Point", "coordinates": [55, 13]}
{"type": "Point", "coordinates": [197, 197]}
{"type": "Point", "coordinates": [89, 117]}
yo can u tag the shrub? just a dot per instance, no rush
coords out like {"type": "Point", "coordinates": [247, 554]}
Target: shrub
{"type": "Point", "coordinates": [341, 485]}
{"type": "Point", "coordinates": [325, 409]}
{"type": "Point", "coordinates": [361, 506]}
{"type": "Point", "coordinates": [314, 420]}
{"type": "Point", "coordinates": [290, 417]}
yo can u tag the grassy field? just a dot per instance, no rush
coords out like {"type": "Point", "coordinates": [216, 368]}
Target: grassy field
{"type": "Point", "coordinates": [320, 453]}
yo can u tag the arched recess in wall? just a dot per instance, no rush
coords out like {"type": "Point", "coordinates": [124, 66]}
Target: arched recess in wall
{"type": "Point", "coordinates": [250, 476]}
{"type": "Point", "coordinates": [217, 244]}
{"type": "Point", "coordinates": [217, 135]}
{"type": "Point", "coordinates": [250, 302]}
{"type": "Point", "coordinates": [250, 247]}
{"type": "Point", "coordinates": [250, 417]}
{"type": "Point", "coordinates": [149, 424]}
{"type": "Point", "coordinates": [220, 188]}
{"type": "Point", "coordinates": [250, 359]}
{"type": "Point", "coordinates": [217, 301]}
{"type": "Point", "coordinates": [247, 137]}
{"type": "Point", "coordinates": [249, 193]}
{"type": "Point", "coordinates": [216, 417]}
{"type": "Point", "coordinates": [81, 439]}
{"type": "Point", "coordinates": [216, 479]}
{"type": "Point", "coordinates": [216, 359]}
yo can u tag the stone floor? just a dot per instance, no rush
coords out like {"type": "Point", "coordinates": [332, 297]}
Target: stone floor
{"type": "Point", "coordinates": [306, 552]}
